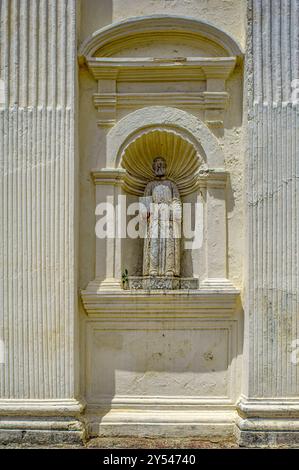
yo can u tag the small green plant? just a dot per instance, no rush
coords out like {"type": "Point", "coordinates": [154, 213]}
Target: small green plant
{"type": "Point", "coordinates": [125, 279]}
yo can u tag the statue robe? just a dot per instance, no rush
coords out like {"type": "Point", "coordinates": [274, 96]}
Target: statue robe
{"type": "Point", "coordinates": [161, 254]}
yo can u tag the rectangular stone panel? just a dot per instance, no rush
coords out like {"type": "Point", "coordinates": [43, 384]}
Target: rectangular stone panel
{"type": "Point", "coordinates": [158, 362]}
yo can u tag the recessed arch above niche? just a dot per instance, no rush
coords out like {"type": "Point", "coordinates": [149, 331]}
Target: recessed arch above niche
{"type": "Point", "coordinates": [184, 158]}
{"type": "Point", "coordinates": [191, 150]}
{"type": "Point", "coordinates": [176, 120]}
{"type": "Point", "coordinates": [166, 45]}
{"type": "Point", "coordinates": [161, 49]}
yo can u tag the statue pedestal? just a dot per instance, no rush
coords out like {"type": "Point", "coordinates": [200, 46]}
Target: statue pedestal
{"type": "Point", "coordinates": [162, 363]}
{"type": "Point", "coordinates": [161, 282]}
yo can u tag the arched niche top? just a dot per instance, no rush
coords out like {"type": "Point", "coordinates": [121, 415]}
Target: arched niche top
{"type": "Point", "coordinates": [184, 158]}
{"type": "Point", "coordinates": [103, 42]}
{"type": "Point", "coordinates": [177, 125]}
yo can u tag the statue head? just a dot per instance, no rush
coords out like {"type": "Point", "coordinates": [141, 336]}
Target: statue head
{"type": "Point", "coordinates": [159, 166]}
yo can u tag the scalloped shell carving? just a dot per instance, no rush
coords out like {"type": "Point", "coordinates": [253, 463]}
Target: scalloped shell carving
{"type": "Point", "coordinates": [182, 157]}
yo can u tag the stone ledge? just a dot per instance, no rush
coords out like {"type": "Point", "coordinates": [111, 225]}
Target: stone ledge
{"type": "Point", "coordinates": [37, 421]}
{"type": "Point", "coordinates": [41, 422]}
{"type": "Point", "coordinates": [39, 407]}
{"type": "Point", "coordinates": [163, 403]}
{"type": "Point", "coordinates": [272, 422]}
{"type": "Point", "coordinates": [271, 408]}
{"type": "Point", "coordinates": [175, 423]}
{"type": "Point", "coordinates": [217, 300]}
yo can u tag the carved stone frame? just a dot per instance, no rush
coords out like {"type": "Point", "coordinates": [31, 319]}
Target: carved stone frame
{"type": "Point", "coordinates": [97, 53]}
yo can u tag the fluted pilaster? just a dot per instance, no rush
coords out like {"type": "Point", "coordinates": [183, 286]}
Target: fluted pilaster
{"type": "Point", "coordinates": [38, 174]}
{"type": "Point", "coordinates": [272, 287]}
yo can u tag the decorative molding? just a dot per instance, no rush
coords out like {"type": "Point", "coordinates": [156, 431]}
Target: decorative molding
{"type": "Point", "coordinates": [109, 176]}
{"type": "Point", "coordinates": [131, 145]}
{"type": "Point", "coordinates": [149, 402]}
{"type": "Point", "coordinates": [41, 407]}
{"type": "Point", "coordinates": [118, 33]}
{"type": "Point", "coordinates": [208, 178]}
{"type": "Point", "coordinates": [160, 70]}
{"type": "Point", "coordinates": [162, 283]}
{"type": "Point", "coordinates": [214, 124]}
{"type": "Point", "coordinates": [213, 178]}
{"type": "Point", "coordinates": [98, 50]}
{"type": "Point", "coordinates": [106, 122]}
{"type": "Point", "coordinates": [270, 407]}
{"type": "Point", "coordinates": [176, 304]}
{"type": "Point", "coordinates": [150, 70]}
{"type": "Point", "coordinates": [270, 421]}
{"type": "Point", "coordinates": [108, 103]}
{"type": "Point", "coordinates": [209, 420]}
{"type": "Point", "coordinates": [189, 127]}
{"type": "Point", "coordinates": [41, 421]}
{"type": "Point", "coordinates": [200, 100]}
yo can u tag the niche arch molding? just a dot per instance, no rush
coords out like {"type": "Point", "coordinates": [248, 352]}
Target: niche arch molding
{"type": "Point", "coordinates": [184, 157]}
{"type": "Point", "coordinates": [208, 176]}
{"type": "Point", "coordinates": [204, 154]}
{"type": "Point", "coordinates": [188, 126]}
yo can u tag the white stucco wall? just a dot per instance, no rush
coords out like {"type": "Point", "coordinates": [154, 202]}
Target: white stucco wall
{"type": "Point", "coordinates": [227, 14]}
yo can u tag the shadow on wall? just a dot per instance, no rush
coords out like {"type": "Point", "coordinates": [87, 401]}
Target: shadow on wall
{"type": "Point", "coordinates": [163, 363]}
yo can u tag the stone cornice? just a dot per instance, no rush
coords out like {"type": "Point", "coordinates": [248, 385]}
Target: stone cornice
{"type": "Point", "coordinates": [100, 52]}
{"type": "Point", "coordinates": [211, 178]}
{"type": "Point", "coordinates": [151, 69]}
{"type": "Point", "coordinates": [108, 175]}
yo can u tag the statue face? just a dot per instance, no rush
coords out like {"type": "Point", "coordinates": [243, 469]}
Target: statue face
{"type": "Point", "coordinates": [159, 166]}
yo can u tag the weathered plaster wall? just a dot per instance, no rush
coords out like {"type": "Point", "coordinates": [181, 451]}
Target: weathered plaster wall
{"type": "Point", "coordinates": [228, 14]}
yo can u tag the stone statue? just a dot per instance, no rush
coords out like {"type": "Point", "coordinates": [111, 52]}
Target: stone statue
{"type": "Point", "coordinates": [162, 212]}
